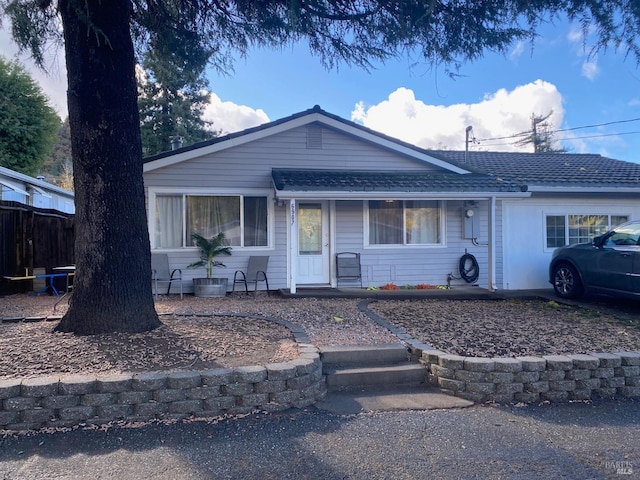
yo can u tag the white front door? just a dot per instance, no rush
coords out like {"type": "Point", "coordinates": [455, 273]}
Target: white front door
{"type": "Point", "coordinates": [313, 244]}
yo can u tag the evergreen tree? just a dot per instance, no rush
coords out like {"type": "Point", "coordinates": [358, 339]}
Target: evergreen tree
{"type": "Point", "coordinates": [173, 96]}
{"type": "Point", "coordinates": [28, 124]}
{"type": "Point", "coordinates": [112, 291]}
{"type": "Point", "coordinates": [58, 164]}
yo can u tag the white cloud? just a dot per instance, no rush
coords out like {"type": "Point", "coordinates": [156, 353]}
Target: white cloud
{"type": "Point", "coordinates": [517, 51]}
{"type": "Point", "coordinates": [579, 40]}
{"type": "Point", "coordinates": [590, 69]}
{"type": "Point", "coordinates": [53, 83]}
{"type": "Point", "coordinates": [575, 35]}
{"type": "Point", "coordinates": [499, 114]}
{"type": "Point", "coordinates": [230, 117]}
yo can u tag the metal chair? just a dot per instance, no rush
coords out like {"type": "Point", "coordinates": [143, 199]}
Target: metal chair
{"type": "Point", "coordinates": [348, 267]}
{"type": "Point", "coordinates": [160, 272]}
{"type": "Point", "coordinates": [256, 269]}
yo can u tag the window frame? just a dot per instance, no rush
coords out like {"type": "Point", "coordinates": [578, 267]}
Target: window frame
{"type": "Point", "coordinates": [153, 193]}
{"type": "Point", "coordinates": [442, 207]}
{"type": "Point", "coordinates": [566, 216]}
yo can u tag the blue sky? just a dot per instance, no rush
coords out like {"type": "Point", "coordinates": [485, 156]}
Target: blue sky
{"type": "Point", "coordinates": [496, 95]}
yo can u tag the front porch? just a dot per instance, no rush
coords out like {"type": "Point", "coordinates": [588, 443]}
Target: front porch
{"type": "Point", "coordinates": [458, 292]}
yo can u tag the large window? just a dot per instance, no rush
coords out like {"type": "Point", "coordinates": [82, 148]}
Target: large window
{"type": "Point", "coordinates": [409, 222]}
{"type": "Point", "coordinates": [243, 219]}
{"type": "Point", "coordinates": [569, 229]}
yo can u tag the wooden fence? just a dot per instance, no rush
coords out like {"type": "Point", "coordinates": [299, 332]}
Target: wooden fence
{"type": "Point", "coordinates": [33, 237]}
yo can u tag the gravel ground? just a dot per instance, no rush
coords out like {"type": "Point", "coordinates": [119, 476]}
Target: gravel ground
{"type": "Point", "coordinates": [509, 328]}
{"type": "Point", "coordinates": [206, 333]}
{"type": "Point", "coordinates": [197, 333]}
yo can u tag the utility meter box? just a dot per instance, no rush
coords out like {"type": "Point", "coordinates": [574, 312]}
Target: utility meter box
{"type": "Point", "coordinates": [471, 222]}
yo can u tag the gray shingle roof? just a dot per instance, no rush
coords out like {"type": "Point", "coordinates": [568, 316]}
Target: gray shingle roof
{"type": "Point", "coordinates": [550, 169]}
{"type": "Point", "coordinates": [368, 181]}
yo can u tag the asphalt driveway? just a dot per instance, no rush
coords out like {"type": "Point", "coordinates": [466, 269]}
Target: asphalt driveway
{"type": "Point", "coordinates": [571, 441]}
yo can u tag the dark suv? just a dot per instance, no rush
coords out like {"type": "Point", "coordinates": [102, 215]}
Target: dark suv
{"type": "Point", "coordinates": [609, 264]}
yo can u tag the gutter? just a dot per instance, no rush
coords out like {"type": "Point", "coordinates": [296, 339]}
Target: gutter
{"type": "Point", "coordinates": [376, 195]}
{"type": "Point", "coordinates": [544, 189]}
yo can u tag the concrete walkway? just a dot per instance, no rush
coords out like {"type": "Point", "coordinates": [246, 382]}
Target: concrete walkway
{"type": "Point", "coordinates": [388, 398]}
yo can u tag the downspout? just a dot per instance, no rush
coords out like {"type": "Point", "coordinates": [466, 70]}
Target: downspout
{"type": "Point", "coordinates": [492, 245]}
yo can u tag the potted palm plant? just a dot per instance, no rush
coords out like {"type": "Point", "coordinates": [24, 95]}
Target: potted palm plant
{"type": "Point", "coordinates": [210, 248]}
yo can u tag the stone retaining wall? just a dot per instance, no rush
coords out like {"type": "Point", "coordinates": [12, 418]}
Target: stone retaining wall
{"type": "Point", "coordinates": [33, 403]}
{"type": "Point", "coordinates": [555, 378]}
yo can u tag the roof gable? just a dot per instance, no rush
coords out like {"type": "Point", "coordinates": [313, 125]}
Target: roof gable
{"type": "Point", "coordinates": [314, 115]}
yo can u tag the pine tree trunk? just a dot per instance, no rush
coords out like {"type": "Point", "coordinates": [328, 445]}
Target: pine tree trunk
{"type": "Point", "coordinates": [112, 287]}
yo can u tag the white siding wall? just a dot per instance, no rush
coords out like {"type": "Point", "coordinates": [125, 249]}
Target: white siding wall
{"type": "Point", "coordinates": [526, 258]}
{"type": "Point", "coordinates": [412, 265]}
{"type": "Point", "coordinates": [249, 166]}
{"type": "Point", "coordinates": [402, 265]}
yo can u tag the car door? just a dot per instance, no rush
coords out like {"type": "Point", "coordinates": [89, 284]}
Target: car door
{"type": "Point", "coordinates": [616, 260]}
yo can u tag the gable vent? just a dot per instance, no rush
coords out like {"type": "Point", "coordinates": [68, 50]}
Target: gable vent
{"type": "Point", "coordinates": [314, 136]}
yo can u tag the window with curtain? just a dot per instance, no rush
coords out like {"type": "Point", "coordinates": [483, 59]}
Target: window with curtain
{"type": "Point", "coordinates": [242, 219]}
{"type": "Point", "coordinates": [168, 232]}
{"type": "Point", "coordinates": [255, 222]}
{"type": "Point", "coordinates": [410, 222]}
{"type": "Point", "coordinates": [209, 216]}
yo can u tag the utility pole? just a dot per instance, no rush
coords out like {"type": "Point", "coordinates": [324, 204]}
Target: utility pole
{"type": "Point", "coordinates": [466, 142]}
{"type": "Point", "coordinates": [540, 135]}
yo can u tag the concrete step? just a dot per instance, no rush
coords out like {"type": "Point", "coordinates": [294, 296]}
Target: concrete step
{"type": "Point", "coordinates": [364, 354]}
{"type": "Point", "coordinates": [405, 373]}
{"type": "Point", "coordinates": [354, 400]}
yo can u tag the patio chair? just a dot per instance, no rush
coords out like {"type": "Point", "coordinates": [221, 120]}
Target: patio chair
{"type": "Point", "coordinates": [160, 273]}
{"type": "Point", "coordinates": [256, 272]}
{"type": "Point", "coordinates": [348, 267]}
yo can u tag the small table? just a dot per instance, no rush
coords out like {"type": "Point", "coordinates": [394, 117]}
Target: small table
{"type": "Point", "coordinates": [24, 278]}
{"type": "Point", "coordinates": [64, 272]}
{"type": "Point", "coordinates": [52, 286]}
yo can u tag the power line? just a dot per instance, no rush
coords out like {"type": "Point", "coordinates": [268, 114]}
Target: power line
{"type": "Point", "coordinates": [602, 135]}
{"type": "Point", "coordinates": [522, 134]}
{"type": "Point", "coordinates": [597, 125]}
{"type": "Point", "coordinates": [568, 138]}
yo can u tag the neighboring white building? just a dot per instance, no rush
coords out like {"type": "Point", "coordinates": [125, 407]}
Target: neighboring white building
{"type": "Point", "coordinates": [17, 187]}
{"type": "Point", "coordinates": [307, 187]}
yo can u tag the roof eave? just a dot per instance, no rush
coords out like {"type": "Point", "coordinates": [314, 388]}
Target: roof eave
{"type": "Point", "coordinates": [384, 195]}
{"type": "Point", "coordinates": [568, 189]}
{"type": "Point", "coordinates": [34, 182]}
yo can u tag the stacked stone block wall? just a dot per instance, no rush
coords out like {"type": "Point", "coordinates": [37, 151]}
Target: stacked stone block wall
{"type": "Point", "coordinates": [35, 403]}
{"type": "Point", "coordinates": [555, 378]}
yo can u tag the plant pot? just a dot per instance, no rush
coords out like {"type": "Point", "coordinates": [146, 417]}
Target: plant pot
{"type": "Point", "coordinates": [210, 287]}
